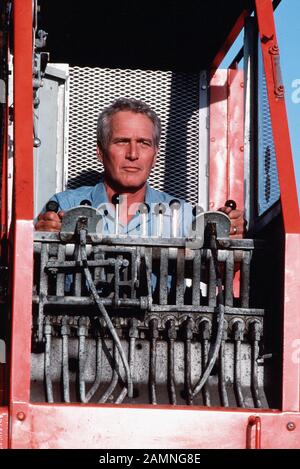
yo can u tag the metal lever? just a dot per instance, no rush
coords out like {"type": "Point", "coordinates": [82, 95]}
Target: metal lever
{"type": "Point", "coordinates": [159, 211]}
{"type": "Point", "coordinates": [52, 206]}
{"type": "Point", "coordinates": [144, 209]}
{"type": "Point", "coordinates": [230, 203]}
{"type": "Point", "coordinates": [116, 201]}
{"type": "Point", "coordinates": [86, 203]}
{"type": "Point", "coordinates": [175, 207]}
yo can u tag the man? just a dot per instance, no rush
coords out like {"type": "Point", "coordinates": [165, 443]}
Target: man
{"type": "Point", "coordinates": [128, 135]}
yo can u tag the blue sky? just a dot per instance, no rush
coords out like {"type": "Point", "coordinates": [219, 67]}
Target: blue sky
{"type": "Point", "coordinates": [287, 19]}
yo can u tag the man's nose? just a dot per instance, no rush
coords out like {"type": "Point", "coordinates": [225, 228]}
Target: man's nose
{"type": "Point", "coordinates": [133, 152]}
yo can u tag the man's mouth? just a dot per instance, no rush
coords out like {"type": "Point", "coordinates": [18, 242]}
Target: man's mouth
{"type": "Point", "coordinates": [131, 169]}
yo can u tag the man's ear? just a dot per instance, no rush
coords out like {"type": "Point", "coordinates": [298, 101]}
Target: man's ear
{"type": "Point", "coordinates": [100, 154]}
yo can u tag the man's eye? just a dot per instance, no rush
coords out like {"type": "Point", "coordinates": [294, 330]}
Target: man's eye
{"type": "Point", "coordinates": [145, 143]}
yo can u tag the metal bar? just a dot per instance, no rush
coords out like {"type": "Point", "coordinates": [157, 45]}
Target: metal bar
{"type": "Point", "coordinates": [255, 331]}
{"type": "Point", "coordinates": [238, 328]}
{"type": "Point", "coordinates": [77, 284]}
{"type": "Point", "coordinates": [236, 60]}
{"type": "Point", "coordinates": [117, 278]}
{"type": "Point", "coordinates": [43, 289]}
{"type": "Point", "coordinates": [188, 335]}
{"type": "Point", "coordinates": [282, 144]}
{"type": "Point", "coordinates": [203, 139]}
{"type": "Point", "coordinates": [212, 300]}
{"type": "Point", "coordinates": [121, 396]}
{"type": "Point", "coordinates": [163, 277]}
{"type": "Point", "coordinates": [245, 279]}
{"type": "Point", "coordinates": [147, 254]}
{"type": "Point", "coordinates": [133, 335]}
{"type": "Point", "coordinates": [129, 243]}
{"type": "Point", "coordinates": [91, 392]}
{"type": "Point", "coordinates": [65, 332]}
{"type": "Point", "coordinates": [99, 273]}
{"type": "Point", "coordinates": [180, 279]}
{"type": "Point", "coordinates": [229, 274]}
{"type": "Point", "coordinates": [60, 278]}
{"type": "Point", "coordinates": [82, 334]}
{"type": "Point", "coordinates": [196, 292]}
{"type": "Point", "coordinates": [238, 373]}
{"type": "Point", "coordinates": [205, 332]}
{"type": "Point", "coordinates": [171, 361]}
{"type": "Point", "coordinates": [250, 38]}
{"type": "Point", "coordinates": [48, 379]}
{"type": "Point", "coordinates": [153, 324]}
{"type": "Point", "coordinates": [222, 382]}
{"type": "Point", "coordinates": [144, 210]}
{"type": "Point", "coordinates": [77, 279]}
{"type": "Point", "coordinates": [87, 301]}
{"type": "Point", "coordinates": [114, 379]}
{"type": "Point", "coordinates": [135, 257]}
{"type": "Point", "coordinates": [205, 391]}
{"type": "Point", "coordinates": [84, 301]}
{"type": "Point", "coordinates": [22, 214]}
{"type": "Point", "coordinates": [78, 263]}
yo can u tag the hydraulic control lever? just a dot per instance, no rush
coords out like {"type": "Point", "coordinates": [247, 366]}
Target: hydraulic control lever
{"type": "Point", "coordinates": [74, 215]}
{"type": "Point", "coordinates": [230, 203]}
{"type": "Point", "coordinates": [52, 206]}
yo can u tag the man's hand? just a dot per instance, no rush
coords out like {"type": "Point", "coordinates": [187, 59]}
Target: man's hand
{"type": "Point", "coordinates": [49, 221]}
{"type": "Point", "coordinates": [238, 222]}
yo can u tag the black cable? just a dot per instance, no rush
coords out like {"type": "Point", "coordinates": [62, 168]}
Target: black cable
{"type": "Point", "coordinates": [221, 311]}
{"type": "Point", "coordinates": [103, 311]}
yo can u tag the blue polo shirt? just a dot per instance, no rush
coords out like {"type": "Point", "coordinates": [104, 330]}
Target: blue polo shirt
{"type": "Point", "coordinates": [98, 197]}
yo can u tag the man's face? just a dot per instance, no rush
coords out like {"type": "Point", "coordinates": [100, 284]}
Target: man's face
{"type": "Point", "coordinates": [131, 153]}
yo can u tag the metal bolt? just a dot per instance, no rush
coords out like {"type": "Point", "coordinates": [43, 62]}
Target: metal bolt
{"type": "Point", "coordinates": [241, 148]}
{"type": "Point", "coordinates": [242, 84]}
{"type": "Point", "coordinates": [21, 416]}
{"type": "Point", "coordinates": [290, 426]}
{"type": "Point", "coordinates": [212, 139]}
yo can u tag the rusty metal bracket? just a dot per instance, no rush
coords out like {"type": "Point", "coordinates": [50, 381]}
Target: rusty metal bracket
{"type": "Point", "coordinates": [276, 69]}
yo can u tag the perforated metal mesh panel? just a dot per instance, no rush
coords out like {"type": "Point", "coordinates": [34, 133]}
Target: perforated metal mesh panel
{"type": "Point", "coordinates": [268, 186]}
{"type": "Point", "coordinates": [175, 98]}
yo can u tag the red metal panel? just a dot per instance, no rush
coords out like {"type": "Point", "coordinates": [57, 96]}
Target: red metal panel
{"type": "Point", "coordinates": [3, 228]}
{"type": "Point", "coordinates": [21, 311]}
{"type": "Point", "coordinates": [281, 136]}
{"type": "Point", "coordinates": [22, 208]}
{"type": "Point", "coordinates": [235, 125]}
{"type": "Point", "coordinates": [3, 428]}
{"type": "Point", "coordinates": [103, 426]}
{"type": "Point", "coordinates": [291, 326]}
{"type": "Point", "coordinates": [226, 169]}
{"type": "Point", "coordinates": [218, 163]}
{"type": "Point", "coordinates": [23, 120]}
{"type": "Point", "coordinates": [289, 203]}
